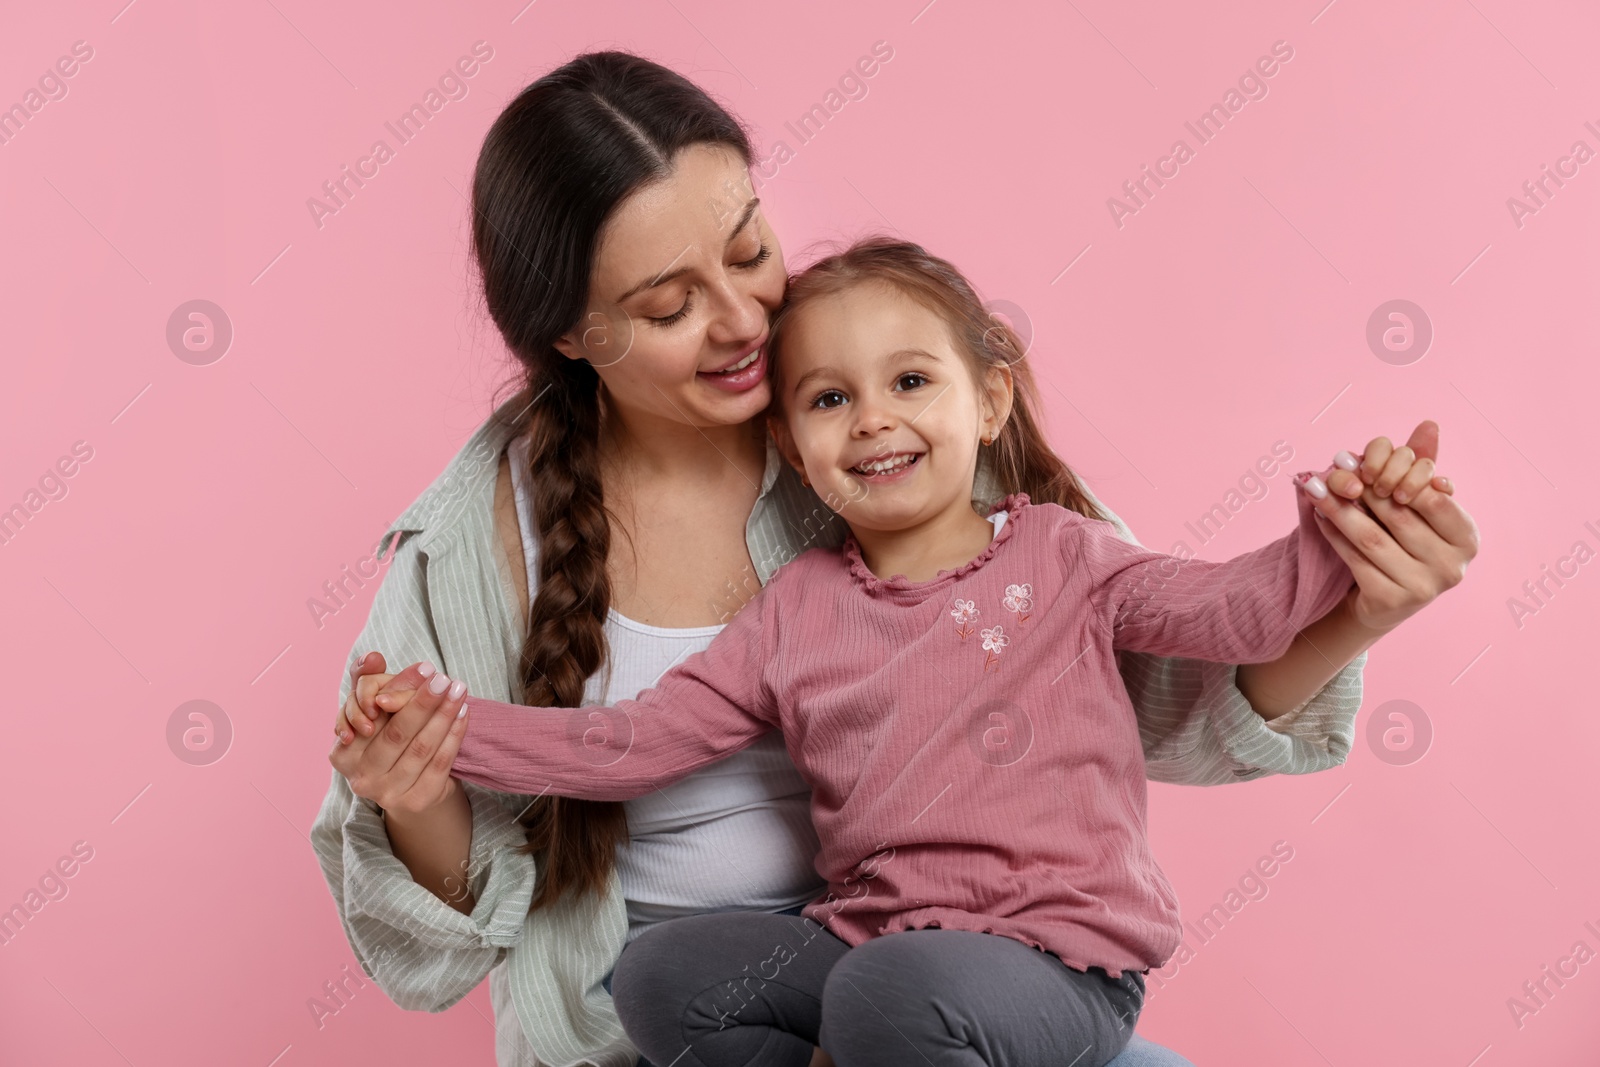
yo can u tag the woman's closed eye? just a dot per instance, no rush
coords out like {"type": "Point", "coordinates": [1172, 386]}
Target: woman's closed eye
{"type": "Point", "coordinates": [676, 316]}
{"type": "Point", "coordinates": [688, 299]}
{"type": "Point", "coordinates": [758, 259]}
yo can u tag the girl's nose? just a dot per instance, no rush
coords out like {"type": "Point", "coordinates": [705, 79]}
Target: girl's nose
{"type": "Point", "coordinates": [872, 419]}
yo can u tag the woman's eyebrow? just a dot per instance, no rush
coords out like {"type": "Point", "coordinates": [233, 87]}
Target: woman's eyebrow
{"type": "Point", "coordinates": [744, 219]}
{"type": "Point", "coordinates": [669, 274]}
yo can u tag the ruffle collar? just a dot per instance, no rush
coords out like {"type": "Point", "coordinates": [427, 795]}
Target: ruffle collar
{"type": "Point", "coordinates": [1013, 504]}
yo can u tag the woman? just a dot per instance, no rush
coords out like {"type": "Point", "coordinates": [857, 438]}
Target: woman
{"type": "Point", "coordinates": [628, 266]}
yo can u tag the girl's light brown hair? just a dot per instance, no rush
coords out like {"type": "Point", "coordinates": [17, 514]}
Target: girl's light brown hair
{"type": "Point", "coordinates": [1021, 458]}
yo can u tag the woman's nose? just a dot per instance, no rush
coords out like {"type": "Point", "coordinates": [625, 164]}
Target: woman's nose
{"type": "Point", "coordinates": [739, 317]}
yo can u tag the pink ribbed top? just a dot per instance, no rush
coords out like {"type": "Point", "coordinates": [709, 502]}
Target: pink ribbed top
{"type": "Point", "coordinates": [973, 754]}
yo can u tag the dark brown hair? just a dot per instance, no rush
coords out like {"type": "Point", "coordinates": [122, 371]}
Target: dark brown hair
{"type": "Point", "coordinates": [1022, 459]}
{"type": "Point", "coordinates": [553, 167]}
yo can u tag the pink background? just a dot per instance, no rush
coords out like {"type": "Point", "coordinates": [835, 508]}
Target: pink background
{"type": "Point", "coordinates": [1227, 314]}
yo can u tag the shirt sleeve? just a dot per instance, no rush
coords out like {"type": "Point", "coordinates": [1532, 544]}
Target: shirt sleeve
{"type": "Point", "coordinates": [713, 704]}
{"type": "Point", "coordinates": [1198, 728]}
{"type": "Point", "coordinates": [1244, 610]}
{"type": "Point", "coordinates": [424, 954]}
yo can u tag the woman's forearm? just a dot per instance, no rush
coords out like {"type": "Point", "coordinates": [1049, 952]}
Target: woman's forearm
{"type": "Point", "coordinates": [1319, 652]}
{"type": "Point", "coordinates": [436, 847]}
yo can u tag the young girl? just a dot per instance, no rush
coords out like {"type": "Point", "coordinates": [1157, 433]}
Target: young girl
{"type": "Point", "coordinates": [947, 684]}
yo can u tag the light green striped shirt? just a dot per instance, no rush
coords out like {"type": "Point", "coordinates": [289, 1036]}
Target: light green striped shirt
{"type": "Point", "coordinates": [448, 598]}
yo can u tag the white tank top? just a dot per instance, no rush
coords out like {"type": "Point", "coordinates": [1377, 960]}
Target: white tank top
{"type": "Point", "coordinates": [736, 835]}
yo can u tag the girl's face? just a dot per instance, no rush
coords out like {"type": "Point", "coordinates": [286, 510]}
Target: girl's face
{"type": "Point", "coordinates": [686, 274]}
{"type": "Point", "coordinates": [880, 409]}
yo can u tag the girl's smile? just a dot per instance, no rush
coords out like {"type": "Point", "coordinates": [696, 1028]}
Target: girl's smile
{"type": "Point", "coordinates": [887, 469]}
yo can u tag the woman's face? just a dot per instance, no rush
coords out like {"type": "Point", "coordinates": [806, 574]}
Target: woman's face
{"type": "Point", "coordinates": [686, 274]}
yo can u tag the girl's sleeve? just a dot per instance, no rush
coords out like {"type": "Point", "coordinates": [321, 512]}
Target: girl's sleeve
{"type": "Point", "coordinates": [424, 954]}
{"type": "Point", "coordinates": [1198, 728]}
{"type": "Point", "coordinates": [1243, 610]}
{"type": "Point", "coordinates": [1240, 610]}
{"type": "Point", "coordinates": [713, 704]}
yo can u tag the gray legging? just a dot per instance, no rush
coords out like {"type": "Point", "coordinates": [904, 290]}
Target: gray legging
{"type": "Point", "coordinates": [738, 989]}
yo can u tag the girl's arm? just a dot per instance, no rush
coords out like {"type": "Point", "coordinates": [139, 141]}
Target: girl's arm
{"type": "Point", "coordinates": [1197, 728]}
{"type": "Point", "coordinates": [712, 705]}
{"type": "Point", "coordinates": [1244, 610]}
{"type": "Point", "coordinates": [1418, 547]}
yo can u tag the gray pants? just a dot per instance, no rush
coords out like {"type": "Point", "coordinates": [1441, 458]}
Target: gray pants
{"type": "Point", "coordinates": [741, 989]}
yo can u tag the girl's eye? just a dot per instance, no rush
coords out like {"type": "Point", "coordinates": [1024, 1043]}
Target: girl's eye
{"type": "Point", "coordinates": [819, 400]}
{"type": "Point", "coordinates": [676, 316]}
{"type": "Point", "coordinates": [760, 258]}
{"type": "Point", "coordinates": [917, 379]}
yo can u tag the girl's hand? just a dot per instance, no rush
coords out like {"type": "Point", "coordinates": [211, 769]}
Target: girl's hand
{"type": "Point", "coordinates": [1402, 555]}
{"type": "Point", "coordinates": [1401, 473]}
{"type": "Point", "coordinates": [359, 713]}
{"type": "Point", "coordinates": [404, 766]}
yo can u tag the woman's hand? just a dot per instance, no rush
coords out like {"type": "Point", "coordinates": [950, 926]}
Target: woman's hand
{"type": "Point", "coordinates": [1409, 541]}
{"type": "Point", "coordinates": [404, 764]}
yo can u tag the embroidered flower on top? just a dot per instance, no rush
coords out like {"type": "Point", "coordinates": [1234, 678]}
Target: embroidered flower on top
{"type": "Point", "coordinates": [1019, 599]}
{"type": "Point", "coordinates": [994, 643]}
{"type": "Point", "coordinates": [964, 612]}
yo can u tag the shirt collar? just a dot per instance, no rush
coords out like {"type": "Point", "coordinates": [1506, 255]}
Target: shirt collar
{"type": "Point", "coordinates": [469, 478]}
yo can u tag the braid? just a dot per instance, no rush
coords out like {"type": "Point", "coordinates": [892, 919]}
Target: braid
{"type": "Point", "coordinates": [566, 643]}
{"type": "Point", "coordinates": [554, 167]}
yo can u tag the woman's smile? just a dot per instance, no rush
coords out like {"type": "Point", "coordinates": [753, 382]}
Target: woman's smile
{"type": "Point", "coordinates": [745, 373]}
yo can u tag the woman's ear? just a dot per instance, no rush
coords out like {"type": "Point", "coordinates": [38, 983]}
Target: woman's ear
{"type": "Point", "coordinates": [567, 345]}
{"type": "Point", "coordinates": [999, 393]}
{"type": "Point", "coordinates": [601, 338]}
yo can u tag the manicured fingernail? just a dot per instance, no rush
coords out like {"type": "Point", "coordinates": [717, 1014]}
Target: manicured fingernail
{"type": "Point", "coordinates": [458, 689]}
{"type": "Point", "coordinates": [1445, 482]}
{"type": "Point", "coordinates": [348, 737]}
{"type": "Point", "coordinates": [440, 683]}
{"type": "Point", "coordinates": [1344, 460]}
{"type": "Point", "coordinates": [1315, 487]}
{"type": "Point", "coordinates": [462, 714]}
{"type": "Point", "coordinates": [425, 669]}
{"type": "Point", "coordinates": [1401, 496]}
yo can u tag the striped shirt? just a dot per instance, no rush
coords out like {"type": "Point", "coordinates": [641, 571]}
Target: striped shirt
{"type": "Point", "coordinates": [448, 598]}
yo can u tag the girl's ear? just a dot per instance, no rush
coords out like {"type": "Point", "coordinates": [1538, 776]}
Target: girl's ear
{"type": "Point", "coordinates": [998, 392]}
{"type": "Point", "coordinates": [785, 442]}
